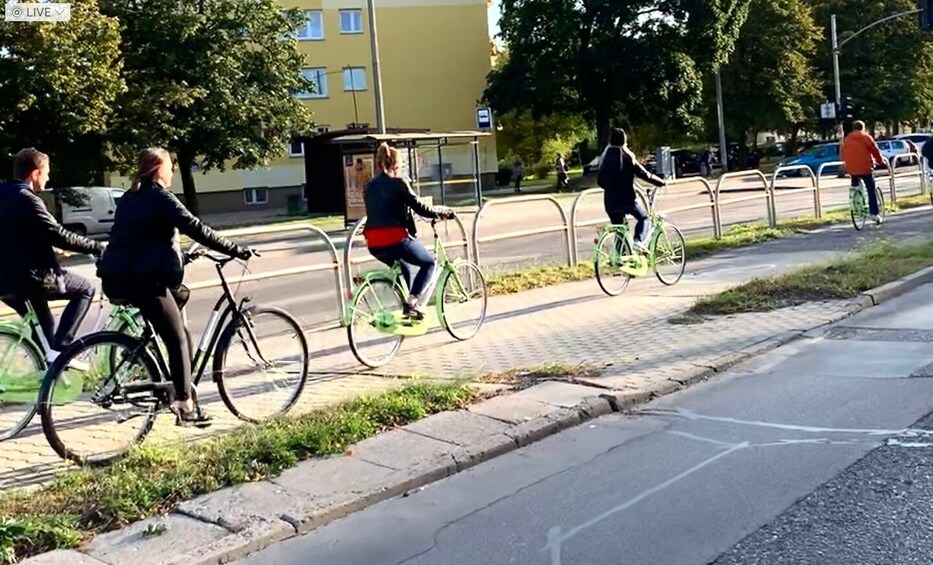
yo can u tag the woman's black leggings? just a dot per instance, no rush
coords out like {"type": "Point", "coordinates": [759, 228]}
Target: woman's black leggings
{"type": "Point", "coordinates": [162, 308]}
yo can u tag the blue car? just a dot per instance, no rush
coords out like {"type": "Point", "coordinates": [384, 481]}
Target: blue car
{"type": "Point", "coordinates": [813, 158]}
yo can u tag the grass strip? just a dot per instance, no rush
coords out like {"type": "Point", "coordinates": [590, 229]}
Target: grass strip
{"type": "Point", "coordinates": [155, 478]}
{"type": "Point", "coordinates": [744, 235]}
{"type": "Point", "coordinates": [520, 379]}
{"type": "Point", "coordinates": [838, 280]}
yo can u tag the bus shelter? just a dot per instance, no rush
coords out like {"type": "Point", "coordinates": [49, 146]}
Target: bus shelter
{"type": "Point", "coordinates": [338, 165]}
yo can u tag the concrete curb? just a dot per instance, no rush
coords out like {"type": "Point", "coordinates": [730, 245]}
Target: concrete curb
{"type": "Point", "coordinates": [293, 504]}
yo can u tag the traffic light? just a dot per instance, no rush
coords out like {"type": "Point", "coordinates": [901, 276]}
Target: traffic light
{"type": "Point", "coordinates": [845, 109]}
{"type": "Point", "coordinates": [926, 15]}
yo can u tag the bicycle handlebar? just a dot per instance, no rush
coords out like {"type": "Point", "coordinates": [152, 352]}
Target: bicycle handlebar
{"type": "Point", "coordinates": [189, 257]}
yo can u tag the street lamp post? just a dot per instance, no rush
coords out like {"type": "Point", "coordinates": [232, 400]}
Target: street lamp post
{"type": "Point", "coordinates": [377, 70]}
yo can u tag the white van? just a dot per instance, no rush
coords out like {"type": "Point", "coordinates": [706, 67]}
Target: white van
{"type": "Point", "coordinates": [95, 216]}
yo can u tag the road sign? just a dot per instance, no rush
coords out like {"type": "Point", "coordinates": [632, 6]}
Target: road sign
{"type": "Point", "coordinates": [828, 111]}
{"type": "Point", "coordinates": [483, 118]}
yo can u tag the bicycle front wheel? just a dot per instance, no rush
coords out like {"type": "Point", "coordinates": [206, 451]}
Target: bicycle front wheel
{"type": "Point", "coordinates": [670, 254]}
{"type": "Point", "coordinates": [463, 301]}
{"type": "Point", "coordinates": [611, 250]}
{"type": "Point", "coordinates": [22, 367]}
{"type": "Point", "coordinates": [99, 398]}
{"type": "Point", "coordinates": [376, 308]}
{"type": "Point", "coordinates": [261, 364]}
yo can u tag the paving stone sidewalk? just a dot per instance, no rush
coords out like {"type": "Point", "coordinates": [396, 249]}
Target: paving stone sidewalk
{"type": "Point", "coordinates": [628, 336]}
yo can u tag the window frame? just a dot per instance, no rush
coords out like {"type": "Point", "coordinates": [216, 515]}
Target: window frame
{"type": "Point", "coordinates": [255, 191]}
{"type": "Point", "coordinates": [320, 79]}
{"type": "Point", "coordinates": [305, 35]}
{"type": "Point", "coordinates": [358, 12]}
{"type": "Point", "coordinates": [347, 84]}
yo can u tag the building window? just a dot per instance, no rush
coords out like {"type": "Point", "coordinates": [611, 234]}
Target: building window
{"type": "Point", "coordinates": [254, 196]}
{"type": "Point", "coordinates": [319, 78]}
{"type": "Point", "coordinates": [351, 21]}
{"type": "Point", "coordinates": [354, 79]}
{"type": "Point", "coordinates": [296, 148]}
{"type": "Point", "coordinates": [323, 129]}
{"type": "Point", "coordinates": [313, 29]}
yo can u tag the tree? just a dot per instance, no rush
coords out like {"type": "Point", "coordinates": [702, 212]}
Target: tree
{"type": "Point", "coordinates": [58, 83]}
{"type": "Point", "coordinates": [641, 60]}
{"type": "Point", "coordinates": [213, 81]}
{"type": "Point", "coordinates": [537, 142]}
{"type": "Point", "coordinates": [769, 82]}
{"type": "Point", "coordinates": [887, 69]}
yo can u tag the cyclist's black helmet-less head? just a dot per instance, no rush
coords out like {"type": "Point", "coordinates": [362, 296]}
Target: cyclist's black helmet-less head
{"type": "Point", "coordinates": [617, 137]}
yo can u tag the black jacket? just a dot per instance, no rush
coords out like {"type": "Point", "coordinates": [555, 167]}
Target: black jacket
{"type": "Point", "coordinates": [29, 234]}
{"type": "Point", "coordinates": [142, 241]}
{"type": "Point", "coordinates": [616, 176]}
{"type": "Point", "coordinates": [389, 203]}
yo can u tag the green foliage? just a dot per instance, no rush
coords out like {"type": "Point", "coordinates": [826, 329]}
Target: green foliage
{"type": "Point", "coordinates": [887, 69]}
{"type": "Point", "coordinates": [212, 81]}
{"type": "Point", "coordinates": [539, 141]}
{"type": "Point", "coordinates": [641, 61]}
{"type": "Point", "coordinates": [58, 85]}
{"type": "Point", "coordinates": [769, 82]}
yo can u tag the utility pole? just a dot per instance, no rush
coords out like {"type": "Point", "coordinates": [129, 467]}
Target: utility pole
{"type": "Point", "coordinates": [723, 149]}
{"type": "Point", "coordinates": [377, 67]}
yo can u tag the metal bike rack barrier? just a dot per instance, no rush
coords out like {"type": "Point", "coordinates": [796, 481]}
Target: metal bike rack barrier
{"type": "Point", "coordinates": [924, 176]}
{"type": "Point", "coordinates": [717, 228]}
{"type": "Point", "coordinates": [573, 216]}
{"type": "Point", "coordinates": [357, 233]}
{"type": "Point", "coordinates": [565, 228]}
{"type": "Point", "coordinates": [320, 267]}
{"type": "Point", "coordinates": [815, 189]}
{"type": "Point", "coordinates": [819, 176]}
{"type": "Point", "coordinates": [892, 170]}
{"type": "Point", "coordinates": [742, 174]}
{"type": "Point", "coordinates": [244, 232]}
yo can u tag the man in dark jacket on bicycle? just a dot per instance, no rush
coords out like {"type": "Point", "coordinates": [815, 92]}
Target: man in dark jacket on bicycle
{"type": "Point", "coordinates": [29, 268]}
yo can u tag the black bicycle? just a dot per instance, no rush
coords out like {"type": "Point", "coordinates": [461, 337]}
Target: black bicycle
{"type": "Point", "coordinates": [106, 390]}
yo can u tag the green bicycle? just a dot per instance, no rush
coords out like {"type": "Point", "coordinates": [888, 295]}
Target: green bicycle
{"type": "Point", "coordinates": [616, 262]}
{"type": "Point", "coordinates": [23, 362]}
{"type": "Point", "coordinates": [378, 299]}
{"type": "Point", "coordinates": [858, 205]}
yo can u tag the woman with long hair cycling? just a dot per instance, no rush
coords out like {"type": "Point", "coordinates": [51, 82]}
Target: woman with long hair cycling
{"type": "Point", "coordinates": [618, 168]}
{"type": "Point", "coordinates": [390, 226]}
{"type": "Point", "coordinates": [143, 266]}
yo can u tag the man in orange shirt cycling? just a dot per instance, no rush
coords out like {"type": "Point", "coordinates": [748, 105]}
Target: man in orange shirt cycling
{"type": "Point", "coordinates": [860, 154]}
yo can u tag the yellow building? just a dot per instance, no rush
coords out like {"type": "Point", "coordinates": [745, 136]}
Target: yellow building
{"type": "Point", "coordinates": [435, 57]}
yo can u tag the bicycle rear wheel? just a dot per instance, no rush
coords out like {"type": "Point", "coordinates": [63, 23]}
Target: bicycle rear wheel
{"type": "Point", "coordinates": [670, 254]}
{"type": "Point", "coordinates": [94, 410]}
{"type": "Point", "coordinates": [376, 307]}
{"type": "Point", "coordinates": [261, 364]}
{"type": "Point", "coordinates": [22, 367]}
{"type": "Point", "coordinates": [858, 208]}
{"type": "Point", "coordinates": [611, 247]}
{"type": "Point", "coordinates": [463, 301]}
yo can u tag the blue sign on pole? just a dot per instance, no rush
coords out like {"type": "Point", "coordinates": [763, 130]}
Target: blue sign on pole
{"type": "Point", "coordinates": [483, 118]}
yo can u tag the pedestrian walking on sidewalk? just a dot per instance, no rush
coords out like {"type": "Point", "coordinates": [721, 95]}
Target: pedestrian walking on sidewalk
{"type": "Point", "coordinates": [518, 174]}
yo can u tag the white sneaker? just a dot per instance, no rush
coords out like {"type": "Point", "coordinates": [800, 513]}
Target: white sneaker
{"type": "Point", "coordinates": [640, 247]}
{"type": "Point", "coordinates": [878, 219]}
{"type": "Point", "coordinates": [73, 364]}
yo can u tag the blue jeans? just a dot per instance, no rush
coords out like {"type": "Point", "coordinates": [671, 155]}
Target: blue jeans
{"type": "Point", "coordinates": [77, 290]}
{"type": "Point", "coordinates": [870, 187]}
{"type": "Point", "coordinates": [412, 255]}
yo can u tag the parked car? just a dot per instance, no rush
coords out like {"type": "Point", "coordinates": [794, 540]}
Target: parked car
{"type": "Point", "coordinates": [95, 215]}
{"type": "Point", "coordinates": [918, 139]}
{"type": "Point", "coordinates": [813, 158]}
{"type": "Point", "coordinates": [893, 147]}
{"type": "Point", "coordinates": [686, 162]}
{"type": "Point", "coordinates": [752, 158]}
{"type": "Point", "coordinates": [592, 167]}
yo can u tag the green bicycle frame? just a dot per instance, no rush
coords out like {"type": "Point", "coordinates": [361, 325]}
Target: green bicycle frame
{"type": "Point", "coordinates": [395, 277]}
{"type": "Point", "coordinates": [642, 264]}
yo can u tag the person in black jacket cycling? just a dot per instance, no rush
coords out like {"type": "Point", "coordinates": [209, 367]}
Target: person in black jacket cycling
{"type": "Point", "coordinates": [29, 268]}
{"type": "Point", "coordinates": [390, 226]}
{"type": "Point", "coordinates": [618, 168]}
{"type": "Point", "coordinates": [143, 266]}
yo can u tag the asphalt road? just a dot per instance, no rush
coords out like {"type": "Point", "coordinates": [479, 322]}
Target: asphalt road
{"type": "Point", "coordinates": [313, 297]}
{"type": "Point", "coordinates": [755, 466]}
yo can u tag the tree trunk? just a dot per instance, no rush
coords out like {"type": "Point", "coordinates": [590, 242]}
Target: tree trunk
{"type": "Point", "coordinates": [603, 123]}
{"type": "Point", "coordinates": [185, 162]}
